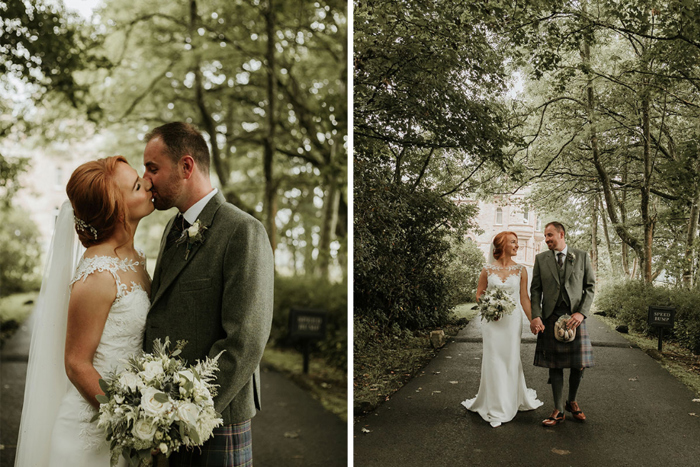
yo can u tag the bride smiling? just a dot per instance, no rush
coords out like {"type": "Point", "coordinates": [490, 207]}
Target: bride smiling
{"type": "Point", "coordinates": [502, 390]}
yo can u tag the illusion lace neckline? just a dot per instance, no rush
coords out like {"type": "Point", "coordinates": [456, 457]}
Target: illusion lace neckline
{"type": "Point", "coordinates": [503, 272]}
{"type": "Point", "coordinates": [111, 264]}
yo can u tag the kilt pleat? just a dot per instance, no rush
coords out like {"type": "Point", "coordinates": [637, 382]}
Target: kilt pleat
{"type": "Point", "coordinates": [231, 446]}
{"type": "Point", "coordinates": [550, 353]}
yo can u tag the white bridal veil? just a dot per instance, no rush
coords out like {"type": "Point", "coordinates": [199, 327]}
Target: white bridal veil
{"type": "Point", "coordinates": [46, 382]}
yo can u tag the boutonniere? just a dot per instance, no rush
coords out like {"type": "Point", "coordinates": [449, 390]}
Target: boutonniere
{"type": "Point", "coordinates": [571, 257]}
{"type": "Point", "coordinates": [193, 235]}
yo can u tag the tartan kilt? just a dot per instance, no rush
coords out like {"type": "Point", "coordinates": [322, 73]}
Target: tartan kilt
{"type": "Point", "coordinates": [231, 446]}
{"type": "Point", "coordinates": [550, 353]}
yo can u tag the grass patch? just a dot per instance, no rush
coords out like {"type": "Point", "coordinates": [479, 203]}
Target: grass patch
{"type": "Point", "coordinates": [14, 307]}
{"type": "Point", "coordinates": [676, 359]}
{"type": "Point", "coordinates": [385, 361]}
{"type": "Point", "coordinates": [326, 384]}
{"type": "Point", "coordinates": [14, 310]}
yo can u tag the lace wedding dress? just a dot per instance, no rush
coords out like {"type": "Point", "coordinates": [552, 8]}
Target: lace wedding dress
{"type": "Point", "coordinates": [75, 441]}
{"type": "Point", "coordinates": [502, 390]}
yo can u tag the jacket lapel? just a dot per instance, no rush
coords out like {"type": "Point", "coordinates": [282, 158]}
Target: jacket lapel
{"type": "Point", "coordinates": [553, 266]}
{"type": "Point", "coordinates": [171, 269]}
{"type": "Point", "coordinates": [569, 267]}
{"type": "Point", "coordinates": [161, 250]}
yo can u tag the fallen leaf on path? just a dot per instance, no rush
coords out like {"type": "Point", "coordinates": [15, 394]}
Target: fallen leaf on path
{"type": "Point", "coordinates": [365, 430]}
{"type": "Point", "coordinates": [692, 414]}
{"type": "Point", "coordinates": [561, 452]}
{"type": "Point", "coordinates": [291, 434]}
{"type": "Point", "coordinates": [696, 400]}
{"type": "Point", "coordinates": [448, 357]}
{"type": "Point", "coordinates": [454, 382]}
{"type": "Point", "coordinates": [435, 392]}
{"type": "Point", "coordinates": [635, 379]}
{"type": "Point", "coordinates": [436, 372]}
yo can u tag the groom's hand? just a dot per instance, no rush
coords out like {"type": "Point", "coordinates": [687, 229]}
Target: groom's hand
{"type": "Point", "coordinates": [575, 321]}
{"type": "Point", "coordinates": [536, 325]}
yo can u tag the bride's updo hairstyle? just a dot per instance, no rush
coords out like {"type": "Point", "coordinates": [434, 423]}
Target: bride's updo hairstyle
{"type": "Point", "coordinates": [97, 201]}
{"type": "Point", "coordinates": [499, 243]}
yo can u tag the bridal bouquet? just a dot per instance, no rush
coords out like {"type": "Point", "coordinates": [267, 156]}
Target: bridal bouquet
{"type": "Point", "coordinates": [494, 303]}
{"type": "Point", "coordinates": [158, 403]}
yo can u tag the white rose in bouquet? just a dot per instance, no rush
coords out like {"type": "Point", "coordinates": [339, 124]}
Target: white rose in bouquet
{"type": "Point", "coordinates": [130, 381]}
{"type": "Point", "coordinates": [153, 370]}
{"type": "Point", "coordinates": [188, 412]}
{"type": "Point", "coordinates": [143, 429]}
{"type": "Point", "coordinates": [151, 405]}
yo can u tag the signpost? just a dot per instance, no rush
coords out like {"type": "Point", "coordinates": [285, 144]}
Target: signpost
{"type": "Point", "coordinates": [306, 325]}
{"type": "Point", "coordinates": [661, 317]}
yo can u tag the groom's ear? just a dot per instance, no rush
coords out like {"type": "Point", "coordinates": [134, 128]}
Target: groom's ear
{"type": "Point", "coordinates": [187, 166]}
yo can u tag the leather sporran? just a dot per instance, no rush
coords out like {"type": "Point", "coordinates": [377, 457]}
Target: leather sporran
{"type": "Point", "coordinates": [561, 332]}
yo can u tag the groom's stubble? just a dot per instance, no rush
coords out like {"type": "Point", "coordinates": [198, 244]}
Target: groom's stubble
{"type": "Point", "coordinates": [164, 175]}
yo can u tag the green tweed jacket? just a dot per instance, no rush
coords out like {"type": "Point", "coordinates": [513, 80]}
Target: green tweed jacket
{"type": "Point", "coordinates": [579, 283]}
{"type": "Point", "coordinates": [220, 298]}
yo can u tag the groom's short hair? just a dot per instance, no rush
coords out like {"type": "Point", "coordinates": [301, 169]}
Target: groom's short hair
{"type": "Point", "coordinates": [557, 225]}
{"type": "Point", "coordinates": [180, 139]}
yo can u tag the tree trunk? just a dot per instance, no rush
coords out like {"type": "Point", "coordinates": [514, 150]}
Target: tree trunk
{"type": "Point", "coordinates": [594, 235]}
{"type": "Point", "coordinates": [623, 217]}
{"type": "Point", "coordinates": [330, 219]}
{"type": "Point", "coordinates": [604, 218]}
{"type": "Point", "coordinates": [603, 175]}
{"type": "Point", "coordinates": [689, 259]}
{"type": "Point", "coordinates": [647, 218]}
{"type": "Point", "coordinates": [270, 202]}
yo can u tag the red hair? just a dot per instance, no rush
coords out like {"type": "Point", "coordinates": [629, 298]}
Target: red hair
{"type": "Point", "coordinates": [499, 243]}
{"type": "Point", "coordinates": [97, 199]}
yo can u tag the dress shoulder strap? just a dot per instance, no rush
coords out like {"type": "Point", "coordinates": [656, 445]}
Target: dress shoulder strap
{"type": "Point", "coordinates": [111, 264]}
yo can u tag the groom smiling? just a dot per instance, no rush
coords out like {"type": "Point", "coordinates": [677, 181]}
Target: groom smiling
{"type": "Point", "coordinates": [563, 283]}
{"type": "Point", "coordinates": [212, 288]}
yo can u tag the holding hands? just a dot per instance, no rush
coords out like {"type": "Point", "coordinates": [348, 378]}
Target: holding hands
{"type": "Point", "coordinates": [536, 326]}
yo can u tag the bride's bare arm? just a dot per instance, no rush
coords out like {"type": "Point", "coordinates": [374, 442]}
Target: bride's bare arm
{"type": "Point", "coordinates": [524, 297]}
{"type": "Point", "coordinates": [483, 283]}
{"type": "Point", "coordinates": [88, 308]}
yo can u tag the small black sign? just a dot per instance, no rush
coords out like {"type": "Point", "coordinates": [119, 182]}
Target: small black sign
{"type": "Point", "coordinates": [661, 316]}
{"type": "Point", "coordinates": [307, 324]}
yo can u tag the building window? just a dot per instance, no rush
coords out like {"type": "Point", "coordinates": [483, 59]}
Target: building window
{"type": "Point", "coordinates": [526, 215]}
{"type": "Point", "coordinates": [499, 216]}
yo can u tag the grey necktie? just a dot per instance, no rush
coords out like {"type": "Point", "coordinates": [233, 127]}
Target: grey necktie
{"type": "Point", "coordinates": [560, 259]}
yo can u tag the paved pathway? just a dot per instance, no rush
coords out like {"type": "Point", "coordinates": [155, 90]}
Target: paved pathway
{"type": "Point", "coordinates": [638, 414]}
{"type": "Point", "coordinates": [292, 430]}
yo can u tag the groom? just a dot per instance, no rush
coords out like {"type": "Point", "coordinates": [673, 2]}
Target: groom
{"type": "Point", "coordinates": [563, 282]}
{"type": "Point", "coordinates": [213, 289]}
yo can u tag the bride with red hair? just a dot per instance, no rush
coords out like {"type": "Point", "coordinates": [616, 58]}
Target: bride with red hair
{"type": "Point", "coordinates": [89, 317]}
{"type": "Point", "coordinates": [502, 389]}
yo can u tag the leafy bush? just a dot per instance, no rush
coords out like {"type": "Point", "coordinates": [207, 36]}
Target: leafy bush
{"type": "Point", "coordinates": [402, 251]}
{"type": "Point", "coordinates": [20, 253]}
{"type": "Point", "coordinates": [464, 269]}
{"type": "Point", "coordinates": [629, 302]}
{"type": "Point", "coordinates": [309, 292]}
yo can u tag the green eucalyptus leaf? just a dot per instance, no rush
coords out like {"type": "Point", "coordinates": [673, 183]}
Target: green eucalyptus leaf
{"type": "Point", "coordinates": [104, 386]}
{"type": "Point", "coordinates": [161, 397]}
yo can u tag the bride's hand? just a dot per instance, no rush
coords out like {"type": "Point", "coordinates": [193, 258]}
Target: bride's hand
{"type": "Point", "coordinates": [536, 326]}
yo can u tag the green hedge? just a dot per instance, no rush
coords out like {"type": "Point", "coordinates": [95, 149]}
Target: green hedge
{"type": "Point", "coordinates": [629, 302]}
{"type": "Point", "coordinates": [305, 292]}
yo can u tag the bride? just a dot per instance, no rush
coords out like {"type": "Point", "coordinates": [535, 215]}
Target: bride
{"type": "Point", "coordinates": [502, 391]}
{"type": "Point", "coordinates": [88, 319]}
